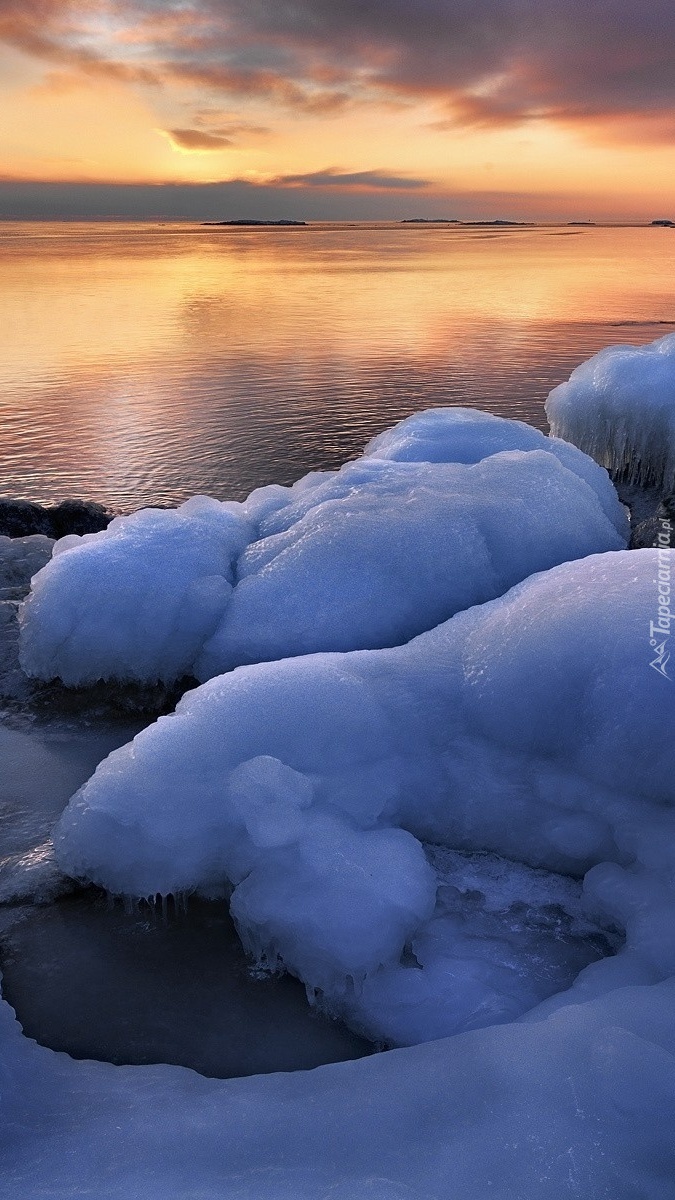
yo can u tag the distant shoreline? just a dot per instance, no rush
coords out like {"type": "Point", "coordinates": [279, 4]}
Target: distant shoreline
{"type": "Point", "coordinates": [255, 223]}
{"type": "Point", "coordinates": [187, 223]}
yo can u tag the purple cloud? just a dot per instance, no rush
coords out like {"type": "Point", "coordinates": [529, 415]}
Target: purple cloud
{"type": "Point", "coordinates": [371, 180]}
{"type": "Point", "coordinates": [492, 63]}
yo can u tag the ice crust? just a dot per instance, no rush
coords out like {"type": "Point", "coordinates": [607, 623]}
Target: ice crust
{"type": "Point", "coordinates": [532, 727]}
{"type": "Point", "coordinates": [579, 1104]}
{"type": "Point", "coordinates": [447, 510]}
{"type": "Point", "coordinates": [619, 407]}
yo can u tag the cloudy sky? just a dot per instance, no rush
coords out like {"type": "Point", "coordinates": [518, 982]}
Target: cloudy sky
{"type": "Point", "coordinates": [539, 109]}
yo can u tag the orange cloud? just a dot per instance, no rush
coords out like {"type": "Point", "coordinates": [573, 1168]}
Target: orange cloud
{"type": "Point", "coordinates": [192, 140]}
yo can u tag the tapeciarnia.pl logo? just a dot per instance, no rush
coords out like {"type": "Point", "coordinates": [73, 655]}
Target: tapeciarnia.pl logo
{"type": "Point", "coordinates": [659, 630]}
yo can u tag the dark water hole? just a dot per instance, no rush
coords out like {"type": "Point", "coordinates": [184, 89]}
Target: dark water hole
{"type": "Point", "coordinates": [137, 988]}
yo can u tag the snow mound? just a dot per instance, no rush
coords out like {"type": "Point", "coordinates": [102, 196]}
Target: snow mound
{"type": "Point", "coordinates": [439, 435]}
{"type": "Point", "coordinates": [467, 435]}
{"type": "Point", "coordinates": [385, 550]}
{"type": "Point", "coordinates": [136, 601]}
{"type": "Point", "coordinates": [533, 727]}
{"type": "Point", "coordinates": [619, 407]}
{"type": "Point", "coordinates": [365, 557]}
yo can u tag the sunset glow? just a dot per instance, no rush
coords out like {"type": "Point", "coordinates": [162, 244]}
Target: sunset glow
{"type": "Point", "coordinates": [432, 109]}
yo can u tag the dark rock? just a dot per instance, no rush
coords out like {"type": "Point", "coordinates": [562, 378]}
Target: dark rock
{"type": "Point", "coordinates": [21, 518]}
{"type": "Point", "coordinates": [79, 516]}
{"type": "Point", "coordinates": [652, 515]}
{"type": "Point", "coordinates": [18, 518]}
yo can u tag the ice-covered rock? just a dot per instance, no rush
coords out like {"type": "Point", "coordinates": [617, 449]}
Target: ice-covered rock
{"type": "Point", "coordinates": [536, 727]}
{"type": "Point", "coordinates": [384, 550]}
{"type": "Point", "coordinates": [619, 407]}
{"type": "Point", "coordinates": [136, 601]}
{"type": "Point", "coordinates": [407, 829]}
{"type": "Point", "coordinates": [468, 435]}
{"type": "Point", "coordinates": [503, 938]}
{"type": "Point", "coordinates": [447, 510]}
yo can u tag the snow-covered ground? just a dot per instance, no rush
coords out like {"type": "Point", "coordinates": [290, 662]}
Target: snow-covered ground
{"type": "Point", "coordinates": [441, 795]}
{"type": "Point", "coordinates": [580, 1104]}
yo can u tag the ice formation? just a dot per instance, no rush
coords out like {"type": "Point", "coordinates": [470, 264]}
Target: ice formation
{"type": "Point", "coordinates": [447, 510]}
{"type": "Point", "coordinates": [135, 601]}
{"type": "Point", "coordinates": [453, 835]}
{"type": "Point", "coordinates": [579, 1104]}
{"type": "Point", "coordinates": [619, 407]}
{"type": "Point", "coordinates": [385, 550]}
{"type": "Point", "coordinates": [532, 727]}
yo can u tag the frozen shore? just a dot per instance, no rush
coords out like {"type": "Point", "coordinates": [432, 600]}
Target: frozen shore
{"type": "Point", "coordinates": [431, 769]}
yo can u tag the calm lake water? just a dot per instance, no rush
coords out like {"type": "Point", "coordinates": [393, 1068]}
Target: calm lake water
{"type": "Point", "coordinates": [142, 364]}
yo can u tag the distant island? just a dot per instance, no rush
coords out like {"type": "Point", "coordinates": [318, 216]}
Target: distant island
{"type": "Point", "coordinates": [251, 222]}
{"type": "Point", "coordinates": [456, 221]}
{"type": "Point", "coordinates": [667, 224]}
{"type": "Point", "coordinates": [581, 222]}
{"type": "Point", "coordinates": [497, 222]}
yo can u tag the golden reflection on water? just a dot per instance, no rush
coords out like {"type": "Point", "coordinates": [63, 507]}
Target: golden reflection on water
{"type": "Point", "coordinates": [144, 363]}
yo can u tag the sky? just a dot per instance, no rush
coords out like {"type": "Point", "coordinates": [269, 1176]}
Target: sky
{"type": "Point", "coordinates": [338, 109]}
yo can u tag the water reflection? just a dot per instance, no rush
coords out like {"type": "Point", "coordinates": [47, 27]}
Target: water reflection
{"type": "Point", "coordinates": [144, 364]}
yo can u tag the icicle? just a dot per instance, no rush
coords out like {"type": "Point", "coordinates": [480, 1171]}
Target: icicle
{"type": "Point", "coordinates": [619, 407]}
